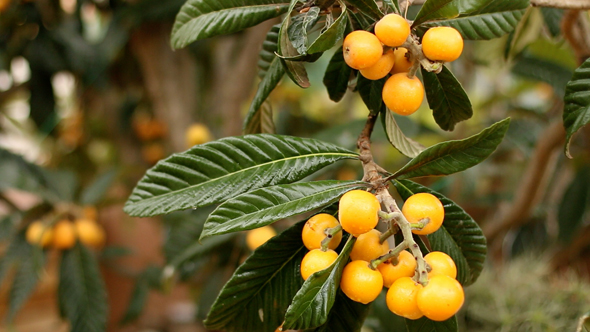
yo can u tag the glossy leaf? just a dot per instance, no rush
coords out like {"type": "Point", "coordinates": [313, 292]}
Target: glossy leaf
{"type": "Point", "coordinates": [371, 93]}
{"type": "Point", "coordinates": [271, 71]}
{"type": "Point", "coordinates": [213, 172]}
{"type": "Point", "coordinates": [455, 156]}
{"type": "Point", "coordinates": [264, 206]}
{"type": "Point", "coordinates": [259, 292]}
{"type": "Point", "coordinates": [337, 76]}
{"type": "Point", "coordinates": [199, 19]}
{"type": "Point", "coordinates": [479, 20]}
{"type": "Point", "coordinates": [331, 34]}
{"type": "Point", "coordinates": [405, 145]}
{"type": "Point", "coordinates": [81, 291]}
{"type": "Point", "coordinates": [312, 304]}
{"type": "Point", "coordinates": [368, 7]}
{"type": "Point", "coordinates": [460, 236]}
{"type": "Point", "coordinates": [576, 113]}
{"type": "Point", "coordinates": [294, 69]}
{"type": "Point", "coordinates": [537, 69]}
{"type": "Point", "coordinates": [426, 325]}
{"type": "Point", "coordinates": [447, 99]}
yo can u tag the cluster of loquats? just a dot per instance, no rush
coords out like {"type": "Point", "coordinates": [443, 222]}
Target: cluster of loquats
{"type": "Point", "coordinates": [64, 233]}
{"type": "Point", "coordinates": [374, 266]}
{"type": "Point", "coordinates": [383, 53]}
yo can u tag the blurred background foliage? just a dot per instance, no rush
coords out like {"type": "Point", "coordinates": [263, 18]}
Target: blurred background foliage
{"type": "Point", "coordinates": [91, 95]}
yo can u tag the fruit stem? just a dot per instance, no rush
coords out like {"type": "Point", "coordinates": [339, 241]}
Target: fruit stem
{"type": "Point", "coordinates": [390, 231]}
{"type": "Point", "coordinates": [391, 254]}
{"type": "Point", "coordinates": [330, 232]}
{"type": "Point", "coordinates": [420, 224]}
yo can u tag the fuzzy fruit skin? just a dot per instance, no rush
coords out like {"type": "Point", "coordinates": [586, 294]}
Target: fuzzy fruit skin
{"type": "Point", "coordinates": [403, 95]}
{"type": "Point", "coordinates": [442, 44]}
{"type": "Point", "coordinates": [441, 264]}
{"type": "Point", "coordinates": [257, 237]}
{"type": "Point", "coordinates": [441, 298]}
{"type": "Point", "coordinates": [316, 260]}
{"type": "Point", "coordinates": [401, 63]}
{"type": "Point", "coordinates": [89, 233]}
{"type": "Point", "coordinates": [367, 246]}
{"type": "Point", "coordinates": [38, 234]}
{"type": "Point", "coordinates": [313, 231]}
{"type": "Point", "coordinates": [358, 212]}
{"type": "Point", "coordinates": [402, 298]}
{"type": "Point", "coordinates": [424, 205]}
{"type": "Point", "coordinates": [64, 235]}
{"type": "Point", "coordinates": [360, 283]}
{"type": "Point", "coordinates": [392, 30]}
{"type": "Point", "coordinates": [361, 49]}
{"type": "Point", "coordinates": [381, 68]}
{"type": "Point", "coordinates": [405, 267]}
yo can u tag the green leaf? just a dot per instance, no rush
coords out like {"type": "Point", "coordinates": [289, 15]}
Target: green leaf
{"type": "Point", "coordinates": [16, 172]}
{"type": "Point", "coordinates": [312, 304]}
{"type": "Point", "coordinates": [271, 71]}
{"type": "Point", "coordinates": [372, 93]}
{"type": "Point", "coordinates": [447, 99]}
{"type": "Point", "coordinates": [552, 18]}
{"type": "Point", "coordinates": [337, 76]}
{"type": "Point", "coordinates": [405, 145]}
{"type": "Point", "coordinates": [531, 67]}
{"type": "Point", "coordinates": [140, 294]}
{"type": "Point", "coordinates": [460, 236]}
{"type": "Point", "coordinates": [331, 34]}
{"type": "Point", "coordinates": [17, 249]}
{"type": "Point", "coordinates": [346, 315]}
{"type": "Point", "coordinates": [295, 70]}
{"type": "Point", "coordinates": [213, 172]}
{"type": "Point", "coordinates": [300, 25]}
{"type": "Point", "coordinates": [264, 206]}
{"type": "Point", "coordinates": [576, 113]}
{"type": "Point", "coordinates": [25, 280]}
{"type": "Point", "coordinates": [258, 294]}
{"type": "Point", "coordinates": [92, 194]}
{"type": "Point", "coordinates": [368, 7]}
{"type": "Point", "coordinates": [426, 325]}
{"type": "Point", "coordinates": [573, 206]}
{"type": "Point", "coordinates": [199, 19]}
{"type": "Point", "coordinates": [477, 20]}
{"type": "Point", "coordinates": [455, 156]}
{"type": "Point", "coordinates": [81, 291]}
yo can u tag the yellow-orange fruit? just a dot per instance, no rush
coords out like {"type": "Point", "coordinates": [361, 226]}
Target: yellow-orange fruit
{"type": "Point", "coordinates": [367, 246]}
{"type": "Point", "coordinates": [392, 30]}
{"type": "Point", "coordinates": [64, 235]}
{"type": "Point", "coordinates": [257, 237]}
{"type": "Point", "coordinates": [405, 267]}
{"type": "Point", "coordinates": [361, 49]}
{"type": "Point", "coordinates": [316, 260]}
{"type": "Point", "coordinates": [38, 234]}
{"type": "Point", "coordinates": [360, 283]}
{"type": "Point", "coordinates": [401, 63]}
{"type": "Point", "coordinates": [314, 231]}
{"type": "Point", "coordinates": [442, 44]}
{"type": "Point", "coordinates": [440, 264]}
{"type": "Point", "coordinates": [420, 206]}
{"type": "Point", "coordinates": [89, 232]}
{"type": "Point", "coordinates": [381, 68]}
{"type": "Point", "coordinates": [402, 298]}
{"type": "Point", "coordinates": [403, 95]}
{"type": "Point", "coordinates": [441, 298]}
{"type": "Point", "coordinates": [358, 212]}
{"type": "Point", "coordinates": [196, 134]}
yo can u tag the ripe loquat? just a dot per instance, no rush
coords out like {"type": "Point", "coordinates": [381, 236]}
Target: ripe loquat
{"type": "Point", "coordinates": [361, 49]}
{"type": "Point", "coordinates": [403, 95]}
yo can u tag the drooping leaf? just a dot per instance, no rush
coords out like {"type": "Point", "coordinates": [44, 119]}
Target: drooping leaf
{"type": "Point", "coordinates": [537, 69]}
{"type": "Point", "coordinates": [477, 20]}
{"type": "Point", "coordinates": [573, 206]}
{"type": "Point", "coordinates": [331, 34]}
{"type": "Point", "coordinates": [346, 315]}
{"type": "Point", "coordinates": [264, 206]}
{"type": "Point", "coordinates": [199, 19]}
{"type": "Point", "coordinates": [97, 189]}
{"type": "Point", "coordinates": [312, 304]}
{"type": "Point", "coordinates": [405, 145]}
{"type": "Point", "coordinates": [259, 292]}
{"type": "Point", "coordinates": [372, 93]}
{"type": "Point", "coordinates": [81, 291]}
{"type": "Point", "coordinates": [367, 7]}
{"type": "Point", "coordinates": [460, 236]}
{"type": "Point", "coordinates": [426, 325]}
{"type": "Point", "coordinates": [271, 71]}
{"type": "Point", "coordinates": [28, 270]}
{"type": "Point", "coordinates": [294, 69]}
{"type": "Point", "coordinates": [213, 172]}
{"type": "Point", "coordinates": [447, 99]}
{"type": "Point", "coordinates": [455, 156]}
{"type": "Point", "coordinates": [337, 76]}
{"type": "Point", "coordinates": [576, 113]}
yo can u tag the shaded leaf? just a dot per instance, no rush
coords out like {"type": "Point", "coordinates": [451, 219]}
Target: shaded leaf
{"type": "Point", "coordinates": [331, 34]}
{"type": "Point", "coordinates": [405, 145]}
{"type": "Point", "coordinates": [261, 121]}
{"type": "Point", "coordinates": [552, 18]}
{"type": "Point", "coordinates": [367, 7]}
{"type": "Point", "coordinates": [346, 315]}
{"type": "Point", "coordinates": [337, 76]}
{"type": "Point", "coordinates": [534, 68]}
{"type": "Point", "coordinates": [576, 113]}
{"type": "Point", "coordinates": [372, 93]}
{"type": "Point", "coordinates": [295, 70]}
{"type": "Point", "coordinates": [455, 156]}
{"type": "Point", "coordinates": [264, 206]}
{"type": "Point", "coordinates": [140, 294]}
{"type": "Point", "coordinates": [259, 292]}
{"type": "Point", "coordinates": [573, 206]}
{"type": "Point", "coordinates": [447, 99]}
{"type": "Point", "coordinates": [28, 270]}
{"type": "Point", "coordinates": [460, 236]}
{"type": "Point", "coordinates": [213, 172]}
{"type": "Point", "coordinates": [300, 26]}
{"type": "Point", "coordinates": [92, 194]}
{"type": "Point", "coordinates": [199, 19]}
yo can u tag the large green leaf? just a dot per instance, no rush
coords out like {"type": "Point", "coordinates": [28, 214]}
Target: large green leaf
{"type": "Point", "coordinates": [552, 18]}
{"type": "Point", "coordinates": [368, 7]}
{"type": "Point", "coordinates": [407, 146]}
{"type": "Point", "coordinates": [459, 236]}
{"type": "Point", "coordinates": [81, 291]}
{"type": "Point", "coordinates": [199, 19]}
{"type": "Point", "coordinates": [371, 93]}
{"type": "Point", "coordinates": [531, 67]}
{"type": "Point", "coordinates": [294, 69]}
{"type": "Point", "coordinates": [477, 20]}
{"type": "Point", "coordinates": [576, 113]}
{"type": "Point", "coordinates": [271, 71]}
{"type": "Point", "coordinates": [213, 172]}
{"type": "Point", "coordinates": [331, 34]}
{"type": "Point", "coordinates": [258, 294]}
{"type": "Point", "coordinates": [337, 76]}
{"type": "Point", "coordinates": [346, 315]}
{"type": "Point", "coordinates": [28, 271]}
{"type": "Point", "coordinates": [312, 304]}
{"type": "Point", "coordinates": [447, 99]}
{"type": "Point", "coordinates": [426, 325]}
{"type": "Point", "coordinates": [264, 206]}
{"type": "Point", "coordinates": [455, 156]}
